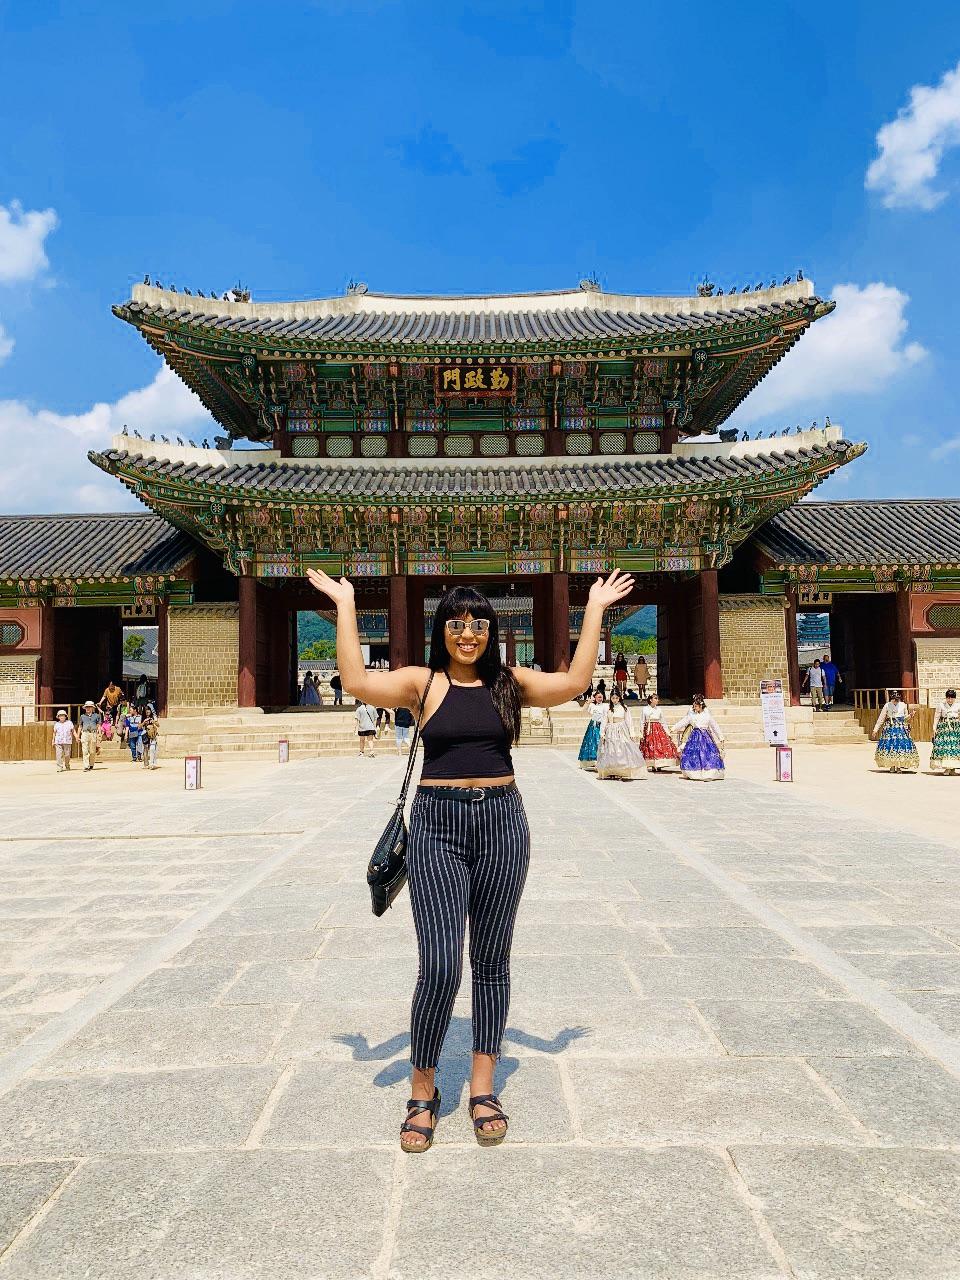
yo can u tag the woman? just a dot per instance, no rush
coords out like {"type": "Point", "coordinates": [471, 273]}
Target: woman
{"type": "Point", "coordinates": [619, 756]}
{"type": "Point", "coordinates": [945, 752]}
{"type": "Point", "coordinates": [366, 727]}
{"type": "Point", "coordinates": [150, 737]}
{"type": "Point", "coordinates": [133, 723]}
{"type": "Point", "coordinates": [310, 694]}
{"type": "Point", "coordinates": [701, 756]}
{"type": "Point", "coordinates": [591, 737]}
{"type": "Point", "coordinates": [468, 848]}
{"type": "Point", "coordinates": [620, 673]}
{"type": "Point", "coordinates": [641, 674]}
{"type": "Point", "coordinates": [655, 743]}
{"type": "Point", "coordinates": [896, 750]}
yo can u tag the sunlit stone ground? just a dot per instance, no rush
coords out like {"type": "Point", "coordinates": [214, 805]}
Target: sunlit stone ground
{"type": "Point", "coordinates": [732, 1048]}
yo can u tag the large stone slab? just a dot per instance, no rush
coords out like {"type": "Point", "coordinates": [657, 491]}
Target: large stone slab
{"type": "Point", "coordinates": [162, 1038]}
{"type": "Point", "coordinates": [906, 1100]}
{"type": "Point", "coordinates": [845, 1214]}
{"type": "Point", "coordinates": [622, 1026]}
{"type": "Point", "coordinates": [716, 941]}
{"type": "Point", "coordinates": [769, 1028]}
{"type": "Point", "coordinates": [720, 1100]}
{"type": "Point", "coordinates": [732, 978]}
{"type": "Point", "coordinates": [172, 1110]}
{"type": "Point", "coordinates": [228, 1215]}
{"type": "Point", "coordinates": [24, 1189]}
{"type": "Point", "coordinates": [180, 987]}
{"type": "Point", "coordinates": [575, 1214]}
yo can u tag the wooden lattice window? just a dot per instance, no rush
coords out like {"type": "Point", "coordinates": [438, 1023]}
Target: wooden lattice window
{"type": "Point", "coordinates": [944, 617]}
{"type": "Point", "coordinates": [11, 635]}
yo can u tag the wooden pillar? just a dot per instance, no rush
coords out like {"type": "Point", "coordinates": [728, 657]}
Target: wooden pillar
{"type": "Point", "coordinates": [46, 694]}
{"type": "Point", "coordinates": [279, 658]}
{"type": "Point", "coordinates": [511, 645]}
{"type": "Point", "coordinates": [679, 640]}
{"type": "Point", "coordinates": [607, 646]}
{"type": "Point", "coordinates": [293, 659]}
{"type": "Point", "coordinates": [710, 607]}
{"type": "Point", "coordinates": [398, 630]}
{"type": "Point", "coordinates": [542, 588]}
{"type": "Point", "coordinates": [163, 638]}
{"type": "Point", "coordinates": [906, 675]}
{"type": "Point", "coordinates": [416, 624]}
{"type": "Point", "coordinates": [793, 657]}
{"type": "Point", "coordinates": [559, 622]}
{"type": "Point", "coordinates": [247, 663]}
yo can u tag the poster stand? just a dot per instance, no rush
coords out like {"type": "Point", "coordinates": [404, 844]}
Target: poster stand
{"type": "Point", "coordinates": [191, 773]}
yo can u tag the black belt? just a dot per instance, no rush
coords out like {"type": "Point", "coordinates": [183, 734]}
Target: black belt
{"type": "Point", "coordinates": [471, 795]}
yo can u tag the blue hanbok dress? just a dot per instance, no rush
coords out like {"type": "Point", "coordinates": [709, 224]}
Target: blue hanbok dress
{"type": "Point", "coordinates": [896, 750]}
{"type": "Point", "coordinates": [591, 738]}
{"type": "Point", "coordinates": [700, 755]}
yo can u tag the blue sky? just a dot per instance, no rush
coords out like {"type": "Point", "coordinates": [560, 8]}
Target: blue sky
{"type": "Point", "coordinates": [477, 147]}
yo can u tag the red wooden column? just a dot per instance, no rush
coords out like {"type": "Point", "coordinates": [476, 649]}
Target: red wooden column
{"type": "Point", "coordinates": [542, 588]}
{"type": "Point", "coordinates": [163, 640]}
{"type": "Point", "coordinates": [607, 646]}
{"type": "Point", "coordinates": [559, 622]}
{"type": "Point", "coordinates": [247, 657]}
{"type": "Point", "coordinates": [906, 675]}
{"type": "Point", "coordinates": [416, 623]}
{"type": "Point", "coordinates": [510, 644]}
{"type": "Point", "coordinates": [710, 609]}
{"type": "Point", "coordinates": [48, 625]}
{"type": "Point", "coordinates": [793, 657]}
{"type": "Point", "coordinates": [398, 629]}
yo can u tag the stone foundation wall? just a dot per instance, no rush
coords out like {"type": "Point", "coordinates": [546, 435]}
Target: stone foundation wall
{"type": "Point", "coordinates": [938, 665]}
{"type": "Point", "coordinates": [753, 645]}
{"type": "Point", "coordinates": [18, 688]}
{"type": "Point", "coordinates": [202, 655]}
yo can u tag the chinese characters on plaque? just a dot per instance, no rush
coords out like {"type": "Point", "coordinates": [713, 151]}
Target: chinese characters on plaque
{"type": "Point", "coordinates": [475, 380]}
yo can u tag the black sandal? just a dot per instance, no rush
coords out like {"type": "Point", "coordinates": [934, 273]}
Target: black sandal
{"type": "Point", "coordinates": [488, 1138]}
{"type": "Point", "coordinates": [415, 1106]}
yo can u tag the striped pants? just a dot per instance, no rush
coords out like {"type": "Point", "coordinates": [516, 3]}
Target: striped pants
{"type": "Point", "coordinates": [465, 859]}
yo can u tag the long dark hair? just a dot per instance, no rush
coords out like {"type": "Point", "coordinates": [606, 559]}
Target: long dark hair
{"type": "Point", "coordinates": [499, 679]}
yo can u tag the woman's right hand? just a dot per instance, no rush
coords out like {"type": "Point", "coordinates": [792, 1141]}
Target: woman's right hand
{"type": "Point", "coordinates": [340, 592]}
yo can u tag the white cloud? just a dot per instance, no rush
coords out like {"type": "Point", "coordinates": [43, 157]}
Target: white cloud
{"type": "Point", "coordinates": [22, 234]}
{"type": "Point", "coordinates": [6, 344]}
{"type": "Point", "coordinates": [945, 449]}
{"type": "Point", "coordinates": [912, 146]}
{"type": "Point", "coordinates": [45, 466]}
{"type": "Point", "coordinates": [858, 349]}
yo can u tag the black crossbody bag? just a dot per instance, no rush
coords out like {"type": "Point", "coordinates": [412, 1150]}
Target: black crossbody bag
{"type": "Point", "coordinates": [387, 869]}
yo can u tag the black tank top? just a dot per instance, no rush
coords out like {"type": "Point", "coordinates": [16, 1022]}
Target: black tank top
{"type": "Point", "coordinates": [465, 737]}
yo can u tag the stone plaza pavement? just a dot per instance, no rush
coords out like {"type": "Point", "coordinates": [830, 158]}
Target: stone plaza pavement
{"type": "Point", "coordinates": [731, 1052]}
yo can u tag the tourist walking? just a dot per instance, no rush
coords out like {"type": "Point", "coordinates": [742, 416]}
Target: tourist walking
{"type": "Point", "coordinates": [90, 721]}
{"type": "Point", "coordinates": [814, 680]}
{"type": "Point", "coordinates": [383, 720]}
{"type": "Point", "coordinates": [403, 722]}
{"type": "Point", "coordinates": [150, 738]}
{"type": "Point", "coordinates": [641, 674]}
{"type": "Point", "coordinates": [831, 678]}
{"type": "Point", "coordinates": [337, 686]}
{"type": "Point", "coordinates": [111, 698]}
{"type": "Point", "coordinates": [366, 727]}
{"type": "Point", "coordinates": [620, 674]}
{"type": "Point", "coordinates": [618, 755]}
{"type": "Point", "coordinates": [945, 752]}
{"type": "Point", "coordinates": [469, 843]}
{"type": "Point", "coordinates": [133, 723]}
{"type": "Point", "coordinates": [896, 751]}
{"type": "Point", "coordinates": [591, 737]}
{"type": "Point", "coordinates": [64, 736]}
{"type": "Point", "coordinates": [701, 750]}
{"type": "Point", "coordinates": [309, 694]}
{"type": "Point", "coordinates": [656, 744]}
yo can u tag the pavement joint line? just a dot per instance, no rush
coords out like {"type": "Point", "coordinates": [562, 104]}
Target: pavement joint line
{"type": "Point", "coordinates": [842, 1108]}
{"type": "Point", "coordinates": [101, 839]}
{"type": "Point", "coordinates": [569, 1095]}
{"type": "Point", "coordinates": [262, 1122]}
{"type": "Point", "coordinates": [31, 1225]}
{"type": "Point", "coordinates": [61, 1028]}
{"type": "Point", "coordinates": [897, 1015]}
{"type": "Point", "coordinates": [380, 1267]}
{"type": "Point", "coordinates": [754, 1207]}
{"type": "Point", "coordinates": [713, 1034]}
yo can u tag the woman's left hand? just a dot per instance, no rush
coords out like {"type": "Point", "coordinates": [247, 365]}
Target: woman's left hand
{"type": "Point", "coordinates": [606, 593]}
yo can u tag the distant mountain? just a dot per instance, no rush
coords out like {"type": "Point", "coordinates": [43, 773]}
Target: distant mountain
{"type": "Point", "coordinates": [311, 628]}
{"type": "Point", "coordinates": [642, 624]}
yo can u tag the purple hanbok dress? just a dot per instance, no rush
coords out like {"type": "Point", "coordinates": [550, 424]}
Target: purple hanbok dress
{"type": "Point", "coordinates": [700, 756]}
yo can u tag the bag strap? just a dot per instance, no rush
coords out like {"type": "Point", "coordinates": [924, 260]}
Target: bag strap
{"type": "Point", "coordinates": [402, 799]}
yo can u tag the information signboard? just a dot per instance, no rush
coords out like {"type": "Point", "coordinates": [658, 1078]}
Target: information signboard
{"type": "Point", "coordinates": [191, 773]}
{"type": "Point", "coordinates": [784, 764]}
{"type": "Point", "coordinates": [284, 750]}
{"type": "Point", "coordinates": [774, 711]}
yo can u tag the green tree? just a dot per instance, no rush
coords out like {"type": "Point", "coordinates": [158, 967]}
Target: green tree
{"type": "Point", "coordinates": [319, 650]}
{"type": "Point", "coordinates": [134, 647]}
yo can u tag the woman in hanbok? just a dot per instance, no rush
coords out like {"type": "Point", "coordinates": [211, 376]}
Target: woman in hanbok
{"type": "Point", "coordinates": [310, 695]}
{"type": "Point", "coordinates": [701, 752]}
{"type": "Point", "coordinates": [618, 755]}
{"type": "Point", "coordinates": [945, 753]}
{"type": "Point", "coordinates": [656, 744]}
{"type": "Point", "coordinates": [896, 750]}
{"type": "Point", "coordinates": [591, 738]}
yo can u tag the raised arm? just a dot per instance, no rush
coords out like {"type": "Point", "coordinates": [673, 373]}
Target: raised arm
{"type": "Point", "coordinates": [551, 688]}
{"type": "Point", "coordinates": [401, 688]}
{"type": "Point", "coordinates": [880, 719]}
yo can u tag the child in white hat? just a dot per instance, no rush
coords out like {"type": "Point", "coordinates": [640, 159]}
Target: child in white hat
{"type": "Point", "coordinates": [64, 736]}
